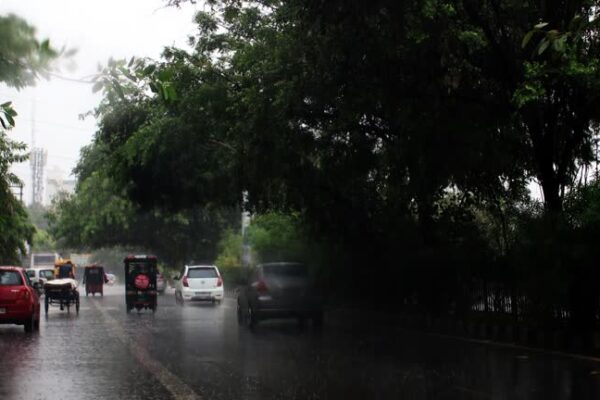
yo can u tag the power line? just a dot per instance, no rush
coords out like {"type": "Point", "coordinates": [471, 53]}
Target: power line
{"type": "Point", "coordinates": [69, 79]}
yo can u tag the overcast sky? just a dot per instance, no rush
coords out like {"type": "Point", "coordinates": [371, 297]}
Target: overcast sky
{"type": "Point", "coordinates": [99, 29]}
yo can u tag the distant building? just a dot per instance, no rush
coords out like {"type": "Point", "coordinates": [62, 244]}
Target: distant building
{"type": "Point", "coordinates": [56, 183]}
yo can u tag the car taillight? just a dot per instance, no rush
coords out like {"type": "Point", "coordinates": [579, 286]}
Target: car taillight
{"type": "Point", "coordinates": [185, 281]}
{"type": "Point", "coordinates": [219, 282]}
{"type": "Point", "coordinates": [261, 287]}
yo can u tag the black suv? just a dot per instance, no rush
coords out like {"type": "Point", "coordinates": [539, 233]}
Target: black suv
{"type": "Point", "coordinates": [279, 290]}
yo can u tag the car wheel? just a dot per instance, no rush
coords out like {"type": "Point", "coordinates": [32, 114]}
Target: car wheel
{"type": "Point", "coordinates": [240, 313]}
{"type": "Point", "coordinates": [251, 318]}
{"type": "Point", "coordinates": [29, 324]}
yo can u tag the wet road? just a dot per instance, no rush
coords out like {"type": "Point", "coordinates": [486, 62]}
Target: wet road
{"type": "Point", "coordinates": [198, 352]}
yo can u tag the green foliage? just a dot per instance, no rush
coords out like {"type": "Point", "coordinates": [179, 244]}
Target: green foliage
{"type": "Point", "coordinates": [42, 241]}
{"type": "Point", "coordinates": [15, 229]}
{"type": "Point", "coordinates": [230, 250]}
{"type": "Point", "coordinates": [100, 215]}
{"type": "Point", "coordinates": [23, 58]}
{"type": "Point", "coordinates": [276, 236]}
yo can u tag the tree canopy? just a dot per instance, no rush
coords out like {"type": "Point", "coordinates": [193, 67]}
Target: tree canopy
{"type": "Point", "coordinates": [403, 134]}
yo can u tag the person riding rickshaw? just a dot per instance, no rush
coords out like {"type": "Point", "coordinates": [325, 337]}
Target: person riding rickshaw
{"type": "Point", "coordinates": [64, 269]}
{"type": "Point", "coordinates": [62, 290]}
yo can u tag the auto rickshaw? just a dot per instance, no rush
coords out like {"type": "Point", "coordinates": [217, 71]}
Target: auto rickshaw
{"type": "Point", "coordinates": [94, 279]}
{"type": "Point", "coordinates": [140, 282]}
{"type": "Point", "coordinates": [62, 290]}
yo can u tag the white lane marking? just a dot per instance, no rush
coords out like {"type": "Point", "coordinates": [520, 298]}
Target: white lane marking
{"type": "Point", "coordinates": [178, 389]}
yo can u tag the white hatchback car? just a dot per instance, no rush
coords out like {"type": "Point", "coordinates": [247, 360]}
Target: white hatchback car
{"type": "Point", "coordinates": [199, 283]}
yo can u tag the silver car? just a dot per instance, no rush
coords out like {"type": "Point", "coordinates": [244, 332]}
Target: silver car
{"type": "Point", "coordinates": [39, 276]}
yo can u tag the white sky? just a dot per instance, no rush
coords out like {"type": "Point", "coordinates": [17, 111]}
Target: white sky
{"type": "Point", "coordinates": [99, 29]}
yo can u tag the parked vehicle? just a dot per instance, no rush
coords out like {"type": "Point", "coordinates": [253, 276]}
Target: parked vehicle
{"type": "Point", "coordinates": [62, 290]}
{"type": "Point", "coordinates": [161, 284]}
{"type": "Point", "coordinates": [19, 301]}
{"type": "Point", "coordinates": [140, 282]}
{"type": "Point", "coordinates": [278, 290]}
{"type": "Point", "coordinates": [39, 276]}
{"type": "Point", "coordinates": [94, 279]}
{"type": "Point", "coordinates": [199, 283]}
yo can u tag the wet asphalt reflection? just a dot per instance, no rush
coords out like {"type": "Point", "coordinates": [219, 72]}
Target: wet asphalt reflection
{"type": "Point", "coordinates": [199, 352]}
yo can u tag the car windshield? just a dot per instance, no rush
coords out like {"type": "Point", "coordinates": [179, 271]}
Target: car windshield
{"type": "Point", "coordinates": [10, 278]}
{"type": "Point", "coordinates": [202, 273]}
{"type": "Point", "coordinates": [46, 273]}
{"type": "Point", "coordinates": [286, 270]}
{"type": "Point", "coordinates": [31, 273]}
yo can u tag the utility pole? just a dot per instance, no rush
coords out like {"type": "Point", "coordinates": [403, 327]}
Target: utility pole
{"type": "Point", "coordinates": [246, 251]}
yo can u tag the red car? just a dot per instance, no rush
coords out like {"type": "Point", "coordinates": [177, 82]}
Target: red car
{"type": "Point", "coordinates": [19, 301]}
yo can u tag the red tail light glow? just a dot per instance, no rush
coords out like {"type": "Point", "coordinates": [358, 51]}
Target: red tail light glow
{"type": "Point", "coordinates": [219, 282]}
{"type": "Point", "coordinates": [185, 282]}
{"type": "Point", "coordinates": [261, 287]}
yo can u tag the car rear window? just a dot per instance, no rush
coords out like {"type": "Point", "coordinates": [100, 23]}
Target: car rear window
{"type": "Point", "coordinates": [202, 273]}
{"type": "Point", "coordinates": [47, 273]}
{"type": "Point", "coordinates": [10, 278]}
{"type": "Point", "coordinates": [286, 270]}
{"type": "Point", "coordinates": [31, 273]}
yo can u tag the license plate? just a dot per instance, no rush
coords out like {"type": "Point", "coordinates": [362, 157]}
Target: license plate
{"type": "Point", "coordinates": [2, 310]}
{"type": "Point", "coordinates": [203, 294]}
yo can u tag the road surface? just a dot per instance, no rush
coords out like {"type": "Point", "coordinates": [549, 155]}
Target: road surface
{"type": "Point", "coordinates": [199, 352]}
